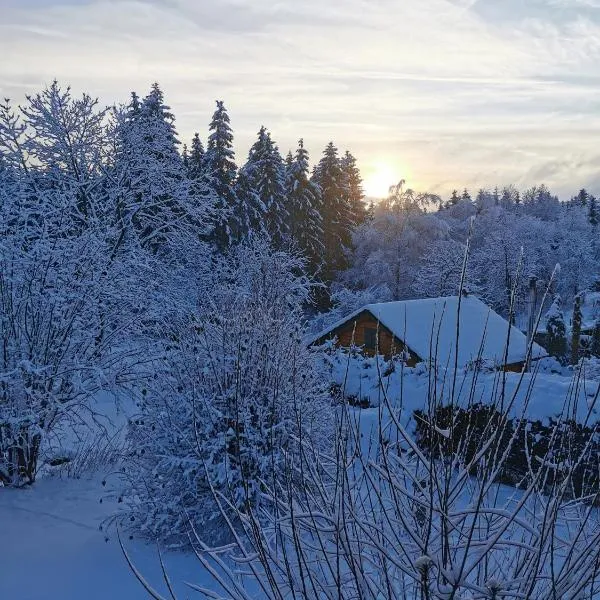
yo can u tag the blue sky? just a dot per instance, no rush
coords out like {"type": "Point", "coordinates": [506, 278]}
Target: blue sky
{"type": "Point", "coordinates": [442, 93]}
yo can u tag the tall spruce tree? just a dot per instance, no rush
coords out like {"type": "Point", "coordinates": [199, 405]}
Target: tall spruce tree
{"type": "Point", "coordinates": [153, 195]}
{"type": "Point", "coordinates": [250, 212]}
{"type": "Point", "coordinates": [202, 192]}
{"type": "Point", "coordinates": [195, 158]}
{"type": "Point", "coordinates": [336, 212]}
{"type": "Point", "coordinates": [220, 171]}
{"type": "Point", "coordinates": [354, 191]}
{"type": "Point", "coordinates": [454, 199]}
{"type": "Point", "coordinates": [265, 174]}
{"type": "Point", "coordinates": [304, 204]}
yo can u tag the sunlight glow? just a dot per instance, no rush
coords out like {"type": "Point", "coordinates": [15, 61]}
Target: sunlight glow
{"type": "Point", "coordinates": [378, 179]}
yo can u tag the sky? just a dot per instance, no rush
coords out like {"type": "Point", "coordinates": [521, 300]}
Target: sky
{"type": "Point", "coordinates": [441, 93]}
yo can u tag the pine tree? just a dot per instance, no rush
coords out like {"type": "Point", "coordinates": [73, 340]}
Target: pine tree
{"type": "Point", "coordinates": [250, 212]}
{"type": "Point", "coordinates": [153, 193]}
{"type": "Point", "coordinates": [195, 158]}
{"type": "Point", "coordinates": [576, 333]}
{"type": "Point", "coordinates": [454, 199]}
{"type": "Point", "coordinates": [265, 174]}
{"type": "Point", "coordinates": [556, 343]}
{"type": "Point", "coordinates": [220, 171]}
{"type": "Point", "coordinates": [336, 212]}
{"type": "Point", "coordinates": [304, 202]}
{"type": "Point", "coordinates": [466, 197]}
{"type": "Point", "coordinates": [354, 191]}
{"type": "Point", "coordinates": [592, 211]}
{"type": "Point", "coordinates": [582, 198]}
{"type": "Point", "coordinates": [186, 158]}
{"type": "Point", "coordinates": [481, 200]}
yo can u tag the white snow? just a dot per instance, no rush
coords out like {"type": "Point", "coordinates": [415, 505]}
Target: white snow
{"type": "Point", "coordinates": [538, 395]}
{"type": "Point", "coordinates": [51, 547]}
{"type": "Point", "coordinates": [428, 327]}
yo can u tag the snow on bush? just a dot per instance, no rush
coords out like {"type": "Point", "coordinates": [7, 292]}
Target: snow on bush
{"type": "Point", "coordinates": [236, 391]}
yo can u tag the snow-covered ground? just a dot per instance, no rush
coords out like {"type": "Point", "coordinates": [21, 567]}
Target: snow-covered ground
{"type": "Point", "coordinates": [537, 395]}
{"type": "Point", "coordinates": [51, 547]}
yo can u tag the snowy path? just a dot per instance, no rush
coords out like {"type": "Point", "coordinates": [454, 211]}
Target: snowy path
{"type": "Point", "coordinates": [51, 548]}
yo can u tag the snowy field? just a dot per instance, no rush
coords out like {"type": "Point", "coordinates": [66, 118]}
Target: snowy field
{"type": "Point", "coordinates": [53, 548]}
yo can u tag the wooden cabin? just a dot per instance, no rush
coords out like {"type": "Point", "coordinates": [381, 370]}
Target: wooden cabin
{"type": "Point", "coordinates": [426, 330]}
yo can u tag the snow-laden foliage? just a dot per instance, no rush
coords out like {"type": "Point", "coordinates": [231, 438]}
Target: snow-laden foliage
{"type": "Point", "coordinates": [220, 171]}
{"type": "Point", "coordinates": [556, 337]}
{"type": "Point", "coordinates": [304, 205]}
{"type": "Point", "coordinates": [264, 173]}
{"type": "Point", "coordinates": [414, 249]}
{"type": "Point", "coordinates": [408, 516]}
{"type": "Point", "coordinates": [91, 247]}
{"type": "Point", "coordinates": [236, 391]}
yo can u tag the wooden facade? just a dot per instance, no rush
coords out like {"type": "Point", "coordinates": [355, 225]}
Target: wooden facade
{"type": "Point", "coordinates": [372, 336]}
{"type": "Point", "coordinates": [366, 332]}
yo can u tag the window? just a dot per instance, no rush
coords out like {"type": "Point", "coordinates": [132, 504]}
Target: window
{"type": "Point", "coordinates": [370, 338]}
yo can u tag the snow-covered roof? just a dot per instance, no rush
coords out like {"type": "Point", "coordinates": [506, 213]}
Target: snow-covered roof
{"type": "Point", "coordinates": [428, 327]}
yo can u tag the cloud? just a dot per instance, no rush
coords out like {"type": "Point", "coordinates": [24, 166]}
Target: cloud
{"type": "Point", "coordinates": [456, 91]}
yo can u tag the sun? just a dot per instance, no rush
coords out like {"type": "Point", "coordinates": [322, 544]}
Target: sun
{"type": "Point", "coordinates": [378, 178]}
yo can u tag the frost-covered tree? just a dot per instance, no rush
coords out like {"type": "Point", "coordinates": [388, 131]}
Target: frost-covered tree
{"type": "Point", "coordinates": [220, 170]}
{"type": "Point", "coordinates": [57, 275]}
{"type": "Point", "coordinates": [354, 191]}
{"type": "Point", "coordinates": [556, 331]}
{"type": "Point", "coordinates": [195, 159]}
{"type": "Point", "coordinates": [336, 211]}
{"type": "Point", "coordinates": [237, 390]}
{"type": "Point", "coordinates": [388, 250]}
{"type": "Point", "coordinates": [265, 175]}
{"type": "Point", "coordinates": [441, 269]}
{"type": "Point", "coordinates": [454, 199]}
{"type": "Point", "coordinates": [304, 204]}
{"type": "Point", "coordinates": [593, 211]}
{"type": "Point", "coordinates": [150, 191]}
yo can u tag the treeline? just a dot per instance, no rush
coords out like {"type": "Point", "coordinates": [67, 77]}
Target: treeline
{"type": "Point", "coordinates": [131, 158]}
{"type": "Point", "coordinates": [413, 245]}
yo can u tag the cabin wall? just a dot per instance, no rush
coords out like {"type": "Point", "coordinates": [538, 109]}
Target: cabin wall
{"type": "Point", "coordinates": [355, 332]}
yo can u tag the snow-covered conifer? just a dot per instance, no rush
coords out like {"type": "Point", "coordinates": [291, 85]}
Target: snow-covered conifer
{"type": "Point", "coordinates": [556, 331]}
{"type": "Point", "coordinates": [195, 158]}
{"type": "Point", "coordinates": [304, 205]}
{"type": "Point", "coordinates": [265, 174]}
{"type": "Point", "coordinates": [220, 170]}
{"type": "Point", "coordinates": [354, 191]}
{"type": "Point", "coordinates": [152, 196]}
{"type": "Point", "coordinates": [336, 211]}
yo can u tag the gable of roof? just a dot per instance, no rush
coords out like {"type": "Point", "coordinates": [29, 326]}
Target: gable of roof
{"type": "Point", "coordinates": [429, 327]}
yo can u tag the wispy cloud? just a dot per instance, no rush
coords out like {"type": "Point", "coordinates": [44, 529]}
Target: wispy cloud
{"type": "Point", "coordinates": [459, 92]}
